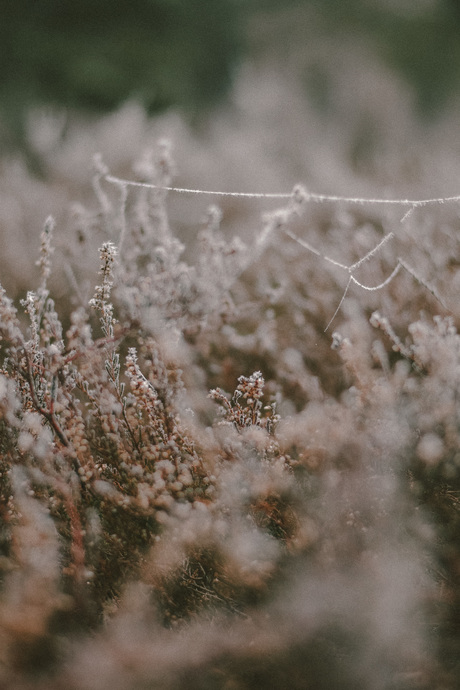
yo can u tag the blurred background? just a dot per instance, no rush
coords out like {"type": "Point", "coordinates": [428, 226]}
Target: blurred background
{"type": "Point", "coordinates": [358, 97]}
{"type": "Point", "coordinates": [92, 56]}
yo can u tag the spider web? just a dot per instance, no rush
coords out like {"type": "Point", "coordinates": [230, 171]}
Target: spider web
{"type": "Point", "coordinates": [409, 204]}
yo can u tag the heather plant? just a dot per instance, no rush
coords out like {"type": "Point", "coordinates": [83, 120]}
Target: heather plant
{"type": "Point", "coordinates": [159, 529]}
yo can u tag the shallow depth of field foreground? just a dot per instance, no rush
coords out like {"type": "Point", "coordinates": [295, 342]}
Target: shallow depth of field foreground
{"type": "Point", "coordinates": [227, 463]}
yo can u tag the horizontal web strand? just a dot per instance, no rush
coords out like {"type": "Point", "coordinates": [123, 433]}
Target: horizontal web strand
{"type": "Point", "coordinates": [310, 196]}
{"type": "Point", "coordinates": [183, 190]}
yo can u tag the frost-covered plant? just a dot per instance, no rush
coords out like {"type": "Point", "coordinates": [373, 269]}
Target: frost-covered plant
{"type": "Point", "coordinates": [301, 530]}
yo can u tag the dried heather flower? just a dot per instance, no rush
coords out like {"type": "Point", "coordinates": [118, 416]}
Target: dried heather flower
{"type": "Point", "coordinates": [100, 301]}
{"type": "Point", "coordinates": [9, 323]}
{"type": "Point", "coordinates": [250, 389]}
{"type": "Point", "coordinates": [46, 251]}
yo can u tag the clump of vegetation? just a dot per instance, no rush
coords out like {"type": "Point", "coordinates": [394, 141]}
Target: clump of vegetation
{"type": "Point", "coordinates": [157, 530]}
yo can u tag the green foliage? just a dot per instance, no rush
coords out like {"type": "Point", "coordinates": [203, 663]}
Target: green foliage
{"type": "Point", "coordinates": [419, 41]}
{"type": "Point", "coordinates": [96, 55]}
{"type": "Point", "coordinates": [93, 56]}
